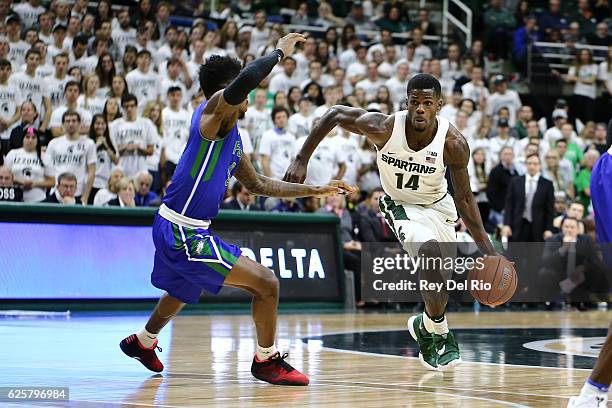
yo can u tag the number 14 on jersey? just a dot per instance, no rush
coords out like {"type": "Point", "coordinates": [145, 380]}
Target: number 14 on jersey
{"type": "Point", "coordinates": [412, 183]}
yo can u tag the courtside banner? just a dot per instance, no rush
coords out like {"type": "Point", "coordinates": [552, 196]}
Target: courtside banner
{"type": "Point", "coordinates": [551, 271]}
{"type": "Point", "coordinates": [74, 252]}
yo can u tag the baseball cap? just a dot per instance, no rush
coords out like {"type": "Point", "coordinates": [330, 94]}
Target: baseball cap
{"type": "Point", "coordinates": [559, 113]}
{"type": "Point", "coordinates": [245, 29]}
{"type": "Point", "coordinates": [561, 103]}
{"type": "Point", "coordinates": [503, 122]}
{"type": "Point", "coordinates": [498, 79]}
{"type": "Point", "coordinates": [373, 107]}
{"type": "Point", "coordinates": [59, 26]}
{"type": "Point", "coordinates": [13, 17]}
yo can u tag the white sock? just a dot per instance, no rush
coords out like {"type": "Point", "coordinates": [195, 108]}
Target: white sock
{"type": "Point", "coordinates": [146, 339]}
{"type": "Point", "coordinates": [589, 389]}
{"type": "Point", "coordinates": [440, 327]}
{"type": "Point", "coordinates": [264, 353]}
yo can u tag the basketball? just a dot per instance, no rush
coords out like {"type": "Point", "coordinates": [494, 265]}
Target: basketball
{"type": "Point", "coordinates": [500, 274]}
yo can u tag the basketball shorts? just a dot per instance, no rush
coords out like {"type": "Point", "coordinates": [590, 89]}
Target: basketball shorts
{"type": "Point", "coordinates": [414, 224]}
{"type": "Point", "coordinates": [189, 260]}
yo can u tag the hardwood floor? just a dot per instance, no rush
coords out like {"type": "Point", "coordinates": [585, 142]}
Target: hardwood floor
{"type": "Point", "coordinates": [353, 360]}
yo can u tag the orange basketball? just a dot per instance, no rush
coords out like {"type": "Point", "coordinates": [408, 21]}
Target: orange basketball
{"type": "Point", "coordinates": [500, 274]}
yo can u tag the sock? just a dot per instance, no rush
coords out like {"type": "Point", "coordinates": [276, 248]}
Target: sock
{"type": "Point", "coordinates": [146, 339]}
{"type": "Point", "coordinates": [437, 325]}
{"type": "Point", "coordinates": [264, 353]}
{"type": "Point", "coordinates": [591, 387]}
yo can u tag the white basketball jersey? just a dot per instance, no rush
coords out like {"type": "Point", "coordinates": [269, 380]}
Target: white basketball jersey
{"type": "Point", "coordinates": [413, 177]}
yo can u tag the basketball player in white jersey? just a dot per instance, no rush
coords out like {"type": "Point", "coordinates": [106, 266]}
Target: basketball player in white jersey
{"type": "Point", "coordinates": [414, 147]}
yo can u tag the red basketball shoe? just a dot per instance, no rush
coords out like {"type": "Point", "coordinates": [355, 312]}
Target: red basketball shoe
{"type": "Point", "coordinates": [132, 348]}
{"type": "Point", "coordinates": [276, 370]}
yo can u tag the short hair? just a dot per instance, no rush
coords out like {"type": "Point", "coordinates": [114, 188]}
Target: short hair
{"type": "Point", "coordinates": [71, 113]}
{"type": "Point", "coordinates": [66, 176]}
{"type": "Point", "coordinates": [173, 89]}
{"type": "Point", "coordinates": [61, 55]}
{"type": "Point", "coordinates": [5, 63]}
{"type": "Point", "coordinates": [170, 28]}
{"type": "Point", "coordinates": [424, 81]}
{"type": "Point", "coordinates": [217, 73]}
{"type": "Point", "coordinates": [533, 155]}
{"type": "Point", "coordinates": [123, 183]}
{"type": "Point", "coordinates": [128, 97]}
{"type": "Point", "coordinates": [569, 218]}
{"type": "Point", "coordinates": [142, 52]}
{"type": "Point", "coordinates": [562, 140]}
{"type": "Point", "coordinates": [72, 83]}
{"type": "Point", "coordinates": [144, 173]}
{"type": "Point", "coordinates": [278, 109]}
{"type": "Point", "coordinates": [32, 51]}
{"type": "Point", "coordinates": [173, 61]}
{"type": "Point", "coordinates": [79, 39]}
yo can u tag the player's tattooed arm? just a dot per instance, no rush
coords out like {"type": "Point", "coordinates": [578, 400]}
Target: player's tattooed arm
{"type": "Point", "coordinates": [377, 127]}
{"type": "Point", "coordinates": [456, 156]}
{"type": "Point", "coordinates": [265, 186]}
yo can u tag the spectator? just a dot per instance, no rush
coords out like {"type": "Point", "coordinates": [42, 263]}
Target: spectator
{"type": "Point", "coordinates": [599, 142]}
{"type": "Point", "coordinates": [28, 119]}
{"type": "Point", "coordinates": [421, 51]}
{"type": "Point", "coordinates": [553, 18]}
{"type": "Point", "coordinates": [17, 47]}
{"type": "Point", "coordinates": [584, 16]}
{"type": "Point", "coordinates": [111, 109]}
{"type": "Point", "coordinates": [144, 196]}
{"type": "Point", "coordinates": [33, 89]}
{"type": "Point", "coordinates": [371, 83]}
{"type": "Point", "coordinates": [142, 82]}
{"type": "Point", "coordinates": [503, 139]}
{"type": "Point", "coordinates": [119, 87]}
{"type": "Point", "coordinates": [28, 169]}
{"type": "Point", "coordinates": [552, 134]}
{"type": "Point", "coordinates": [65, 190]}
{"type": "Point", "coordinates": [327, 160]}
{"type": "Point", "coordinates": [563, 181]}
{"type": "Point", "coordinates": [583, 178]}
{"type": "Point", "coordinates": [300, 122]}
{"type": "Point", "coordinates": [10, 100]}
{"type": "Point", "coordinates": [74, 153]}
{"type": "Point", "coordinates": [300, 17]}
{"type": "Point", "coordinates": [260, 33]}
{"type": "Point", "coordinates": [478, 169]}
{"type": "Point", "coordinates": [503, 97]}
{"type": "Point", "coordinates": [600, 36]}
{"type": "Point", "coordinates": [522, 12]}
{"type": "Point", "coordinates": [476, 89]}
{"type": "Point", "coordinates": [176, 122]}
{"type": "Point", "coordinates": [284, 205]}
{"type": "Point", "coordinates": [106, 71]}
{"type": "Point", "coordinates": [104, 195]}
{"type": "Point", "coordinates": [311, 204]}
{"type": "Point", "coordinates": [583, 73]}
{"type": "Point", "coordinates": [392, 20]}
{"type": "Point", "coordinates": [499, 181]}
{"type": "Point", "coordinates": [283, 81]}
{"type": "Point", "coordinates": [125, 194]}
{"type": "Point", "coordinates": [570, 152]}
{"type": "Point", "coordinates": [525, 115]}
{"type": "Point", "coordinates": [57, 82]}
{"type": "Point", "coordinates": [105, 152]}
{"type": "Point", "coordinates": [242, 199]}
{"type": "Point", "coordinates": [133, 137]}
{"type": "Point", "coordinates": [529, 208]}
{"type": "Point", "coordinates": [276, 148]}
{"type": "Point", "coordinates": [71, 96]}
{"type": "Point", "coordinates": [257, 118]}
{"type": "Point", "coordinates": [372, 224]}
{"type": "Point", "coordinates": [90, 99]}
{"type": "Point", "coordinates": [6, 177]}
{"type": "Point", "coordinates": [398, 83]}
{"type": "Point", "coordinates": [605, 77]}
{"type": "Point", "coordinates": [424, 24]}
{"type": "Point", "coordinates": [575, 210]}
{"type": "Point", "coordinates": [358, 18]}
{"type": "Point", "coordinates": [498, 23]}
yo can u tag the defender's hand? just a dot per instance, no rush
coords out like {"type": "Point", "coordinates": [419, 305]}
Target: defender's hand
{"type": "Point", "coordinates": [296, 172]}
{"type": "Point", "coordinates": [287, 43]}
{"type": "Point", "coordinates": [334, 187]}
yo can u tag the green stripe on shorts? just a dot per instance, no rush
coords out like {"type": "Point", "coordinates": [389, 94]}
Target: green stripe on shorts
{"type": "Point", "coordinates": [227, 256]}
{"type": "Point", "coordinates": [218, 268]}
{"type": "Point", "coordinates": [178, 242]}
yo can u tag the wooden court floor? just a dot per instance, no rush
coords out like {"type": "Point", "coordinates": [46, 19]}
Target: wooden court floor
{"type": "Point", "coordinates": [353, 360]}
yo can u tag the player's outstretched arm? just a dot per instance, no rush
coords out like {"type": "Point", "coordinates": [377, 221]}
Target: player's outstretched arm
{"type": "Point", "coordinates": [457, 154]}
{"type": "Point", "coordinates": [370, 124]}
{"type": "Point", "coordinates": [266, 186]}
{"type": "Point", "coordinates": [221, 112]}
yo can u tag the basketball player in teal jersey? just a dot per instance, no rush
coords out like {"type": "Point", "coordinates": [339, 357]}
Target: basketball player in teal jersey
{"type": "Point", "coordinates": [188, 258]}
{"type": "Point", "coordinates": [413, 149]}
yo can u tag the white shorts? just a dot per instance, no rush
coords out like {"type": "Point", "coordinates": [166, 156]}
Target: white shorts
{"type": "Point", "coordinates": [415, 224]}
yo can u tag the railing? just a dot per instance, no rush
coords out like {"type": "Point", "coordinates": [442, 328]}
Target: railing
{"type": "Point", "coordinates": [544, 56]}
{"type": "Point", "coordinates": [448, 17]}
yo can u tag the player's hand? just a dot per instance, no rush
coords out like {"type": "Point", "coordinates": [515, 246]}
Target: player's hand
{"type": "Point", "coordinates": [296, 172]}
{"type": "Point", "coordinates": [334, 187]}
{"type": "Point", "coordinates": [287, 43]}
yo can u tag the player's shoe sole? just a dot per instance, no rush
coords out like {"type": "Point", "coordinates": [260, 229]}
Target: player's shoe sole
{"type": "Point", "coordinates": [415, 337]}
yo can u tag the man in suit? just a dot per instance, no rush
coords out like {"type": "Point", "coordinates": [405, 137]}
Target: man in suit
{"type": "Point", "coordinates": [499, 180]}
{"type": "Point", "coordinates": [64, 190]}
{"type": "Point", "coordinates": [243, 200]}
{"type": "Point", "coordinates": [530, 205]}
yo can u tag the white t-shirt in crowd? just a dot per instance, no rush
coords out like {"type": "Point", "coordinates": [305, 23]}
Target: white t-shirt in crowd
{"type": "Point", "coordinates": [605, 74]}
{"type": "Point", "coordinates": [141, 132]}
{"type": "Point", "coordinates": [245, 138]}
{"type": "Point", "coordinates": [93, 105]}
{"type": "Point", "coordinates": [10, 99]}
{"type": "Point", "coordinates": [56, 89]}
{"type": "Point", "coordinates": [474, 92]}
{"type": "Point", "coordinates": [300, 125]}
{"type": "Point", "coordinates": [281, 82]}
{"type": "Point", "coordinates": [258, 38]}
{"type": "Point", "coordinates": [580, 88]}
{"type": "Point", "coordinates": [27, 165]}
{"type": "Point", "coordinates": [351, 157]}
{"type": "Point", "coordinates": [145, 86]}
{"type": "Point", "coordinates": [397, 90]}
{"type": "Point", "coordinates": [257, 122]}
{"type": "Point", "coordinates": [510, 99]}
{"type": "Point", "coordinates": [29, 15]}
{"type": "Point", "coordinates": [356, 69]}
{"type": "Point", "coordinates": [497, 144]}
{"type": "Point", "coordinates": [323, 164]}
{"type": "Point", "coordinates": [158, 145]}
{"type": "Point", "coordinates": [32, 89]}
{"type": "Point", "coordinates": [167, 83]}
{"type": "Point", "coordinates": [104, 166]}
{"type": "Point", "coordinates": [56, 116]}
{"type": "Point", "coordinates": [17, 52]}
{"type": "Point", "coordinates": [370, 87]}
{"type": "Point", "coordinates": [73, 156]}
{"type": "Point", "coordinates": [121, 38]}
{"type": "Point", "coordinates": [176, 132]}
{"type": "Point", "coordinates": [279, 148]}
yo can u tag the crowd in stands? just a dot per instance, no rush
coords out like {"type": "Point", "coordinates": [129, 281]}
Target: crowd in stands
{"type": "Point", "coordinates": [96, 102]}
